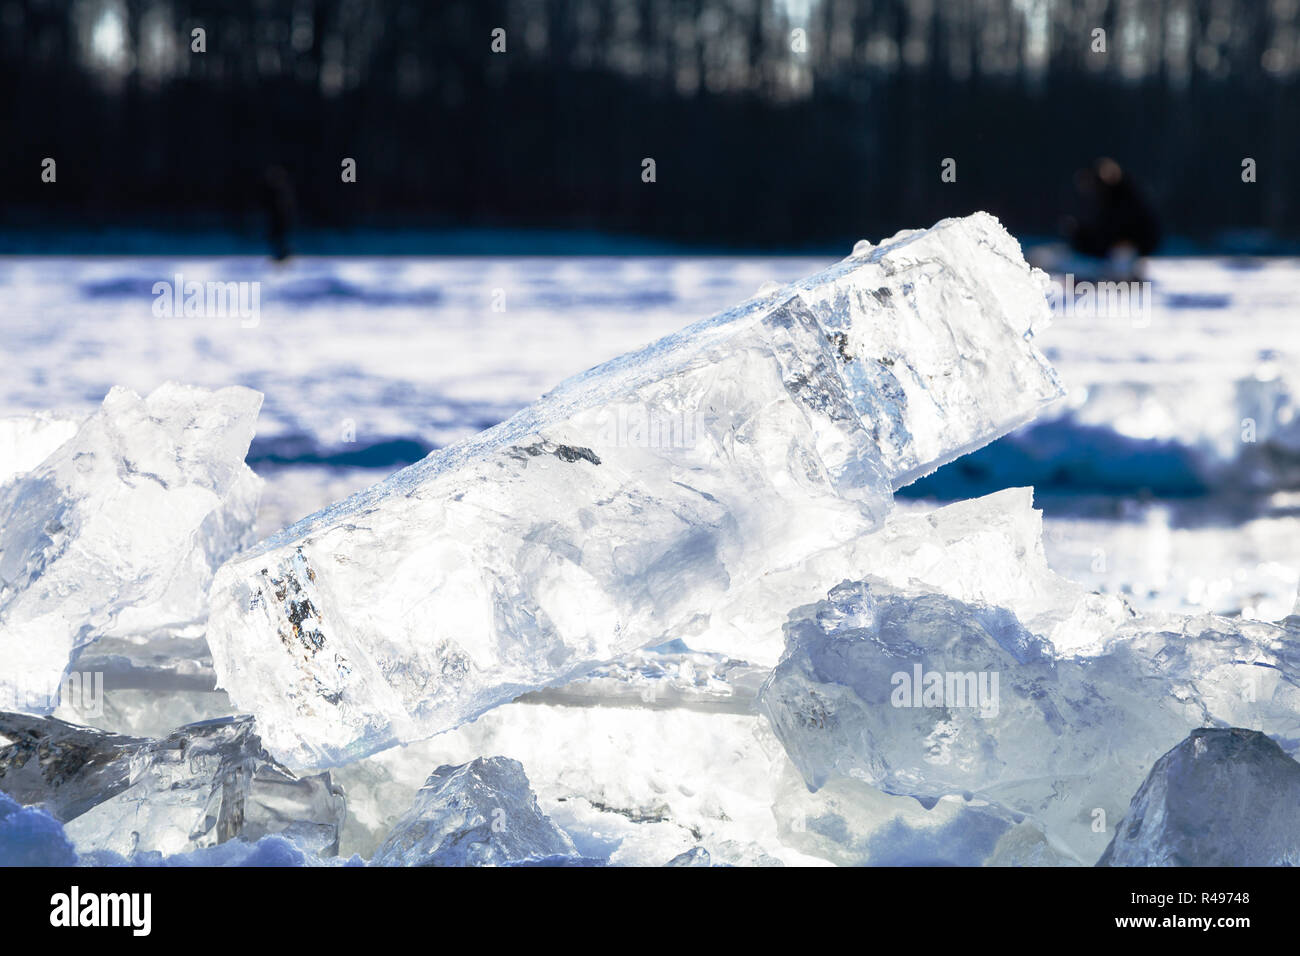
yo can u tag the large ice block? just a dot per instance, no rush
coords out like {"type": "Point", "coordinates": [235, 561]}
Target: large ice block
{"type": "Point", "coordinates": [202, 785]}
{"type": "Point", "coordinates": [1222, 797]}
{"type": "Point", "coordinates": [120, 529]}
{"type": "Point", "coordinates": [624, 507]}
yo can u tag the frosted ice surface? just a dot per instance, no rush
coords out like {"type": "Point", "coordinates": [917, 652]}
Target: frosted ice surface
{"type": "Point", "coordinates": [625, 506]}
{"type": "Point", "coordinates": [31, 837]}
{"type": "Point", "coordinates": [559, 860]}
{"type": "Point", "coordinates": [482, 813]}
{"type": "Point", "coordinates": [200, 786]}
{"type": "Point", "coordinates": [120, 529]}
{"type": "Point", "coordinates": [1222, 797]}
{"type": "Point", "coordinates": [919, 694]}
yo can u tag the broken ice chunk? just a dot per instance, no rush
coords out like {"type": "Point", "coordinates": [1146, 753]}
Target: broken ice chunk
{"type": "Point", "coordinates": [696, 856]}
{"type": "Point", "coordinates": [987, 550]}
{"type": "Point", "coordinates": [630, 503]}
{"type": "Point", "coordinates": [919, 694]}
{"type": "Point", "coordinates": [202, 785]}
{"type": "Point", "coordinates": [27, 440]}
{"type": "Point", "coordinates": [1222, 797]}
{"type": "Point", "coordinates": [481, 813]}
{"type": "Point", "coordinates": [120, 528]}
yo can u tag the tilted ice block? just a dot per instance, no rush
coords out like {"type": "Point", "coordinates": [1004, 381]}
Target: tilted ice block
{"type": "Point", "coordinates": [623, 507]}
{"type": "Point", "coordinates": [1222, 797]}
{"type": "Point", "coordinates": [482, 813]}
{"type": "Point", "coordinates": [919, 694]}
{"type": "Point", "coordinates": [200, 786]}
{"type": "Point", "coordinates": [120, 529]}
{"type": "Point", "coordinates": [26, 440]}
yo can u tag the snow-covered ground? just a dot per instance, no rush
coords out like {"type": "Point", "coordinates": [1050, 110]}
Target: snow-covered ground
{"type": "Point", "coordinates": [1150, 479]}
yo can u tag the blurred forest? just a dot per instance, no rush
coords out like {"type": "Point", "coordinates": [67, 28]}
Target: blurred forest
{"type": "Point", "coordinates": [772, 123]}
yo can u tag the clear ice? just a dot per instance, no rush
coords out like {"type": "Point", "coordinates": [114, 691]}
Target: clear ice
{"type": "Point", "coordinates": [919, 694]}
{"type": "Point", "coordinates": [482, 813]}
{"type": "Point", "coordinates": [200, 786]}
{"type": "Point", "coordinates": [1222, 797]}
{"type": "Point", "coordinates": [120, 528]}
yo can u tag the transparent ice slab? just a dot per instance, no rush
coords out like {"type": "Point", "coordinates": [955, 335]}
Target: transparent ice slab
{"type": "Point", "coordinates": [627, 505]}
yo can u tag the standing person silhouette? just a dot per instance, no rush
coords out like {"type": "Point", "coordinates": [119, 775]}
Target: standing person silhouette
{"type": "Point", "coordinates": [1115, 220]}
{"type": "Point", "coordinates": [277, 199]}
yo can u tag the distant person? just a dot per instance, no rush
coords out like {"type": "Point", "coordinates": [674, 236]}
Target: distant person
{"type": "Point", "coordinates": [1115, 221]}
{"type": "Point", "coordinates": [277, 198]}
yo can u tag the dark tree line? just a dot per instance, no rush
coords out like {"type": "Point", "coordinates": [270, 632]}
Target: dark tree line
{"type": "Point", "coordinates": [771, 122]}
